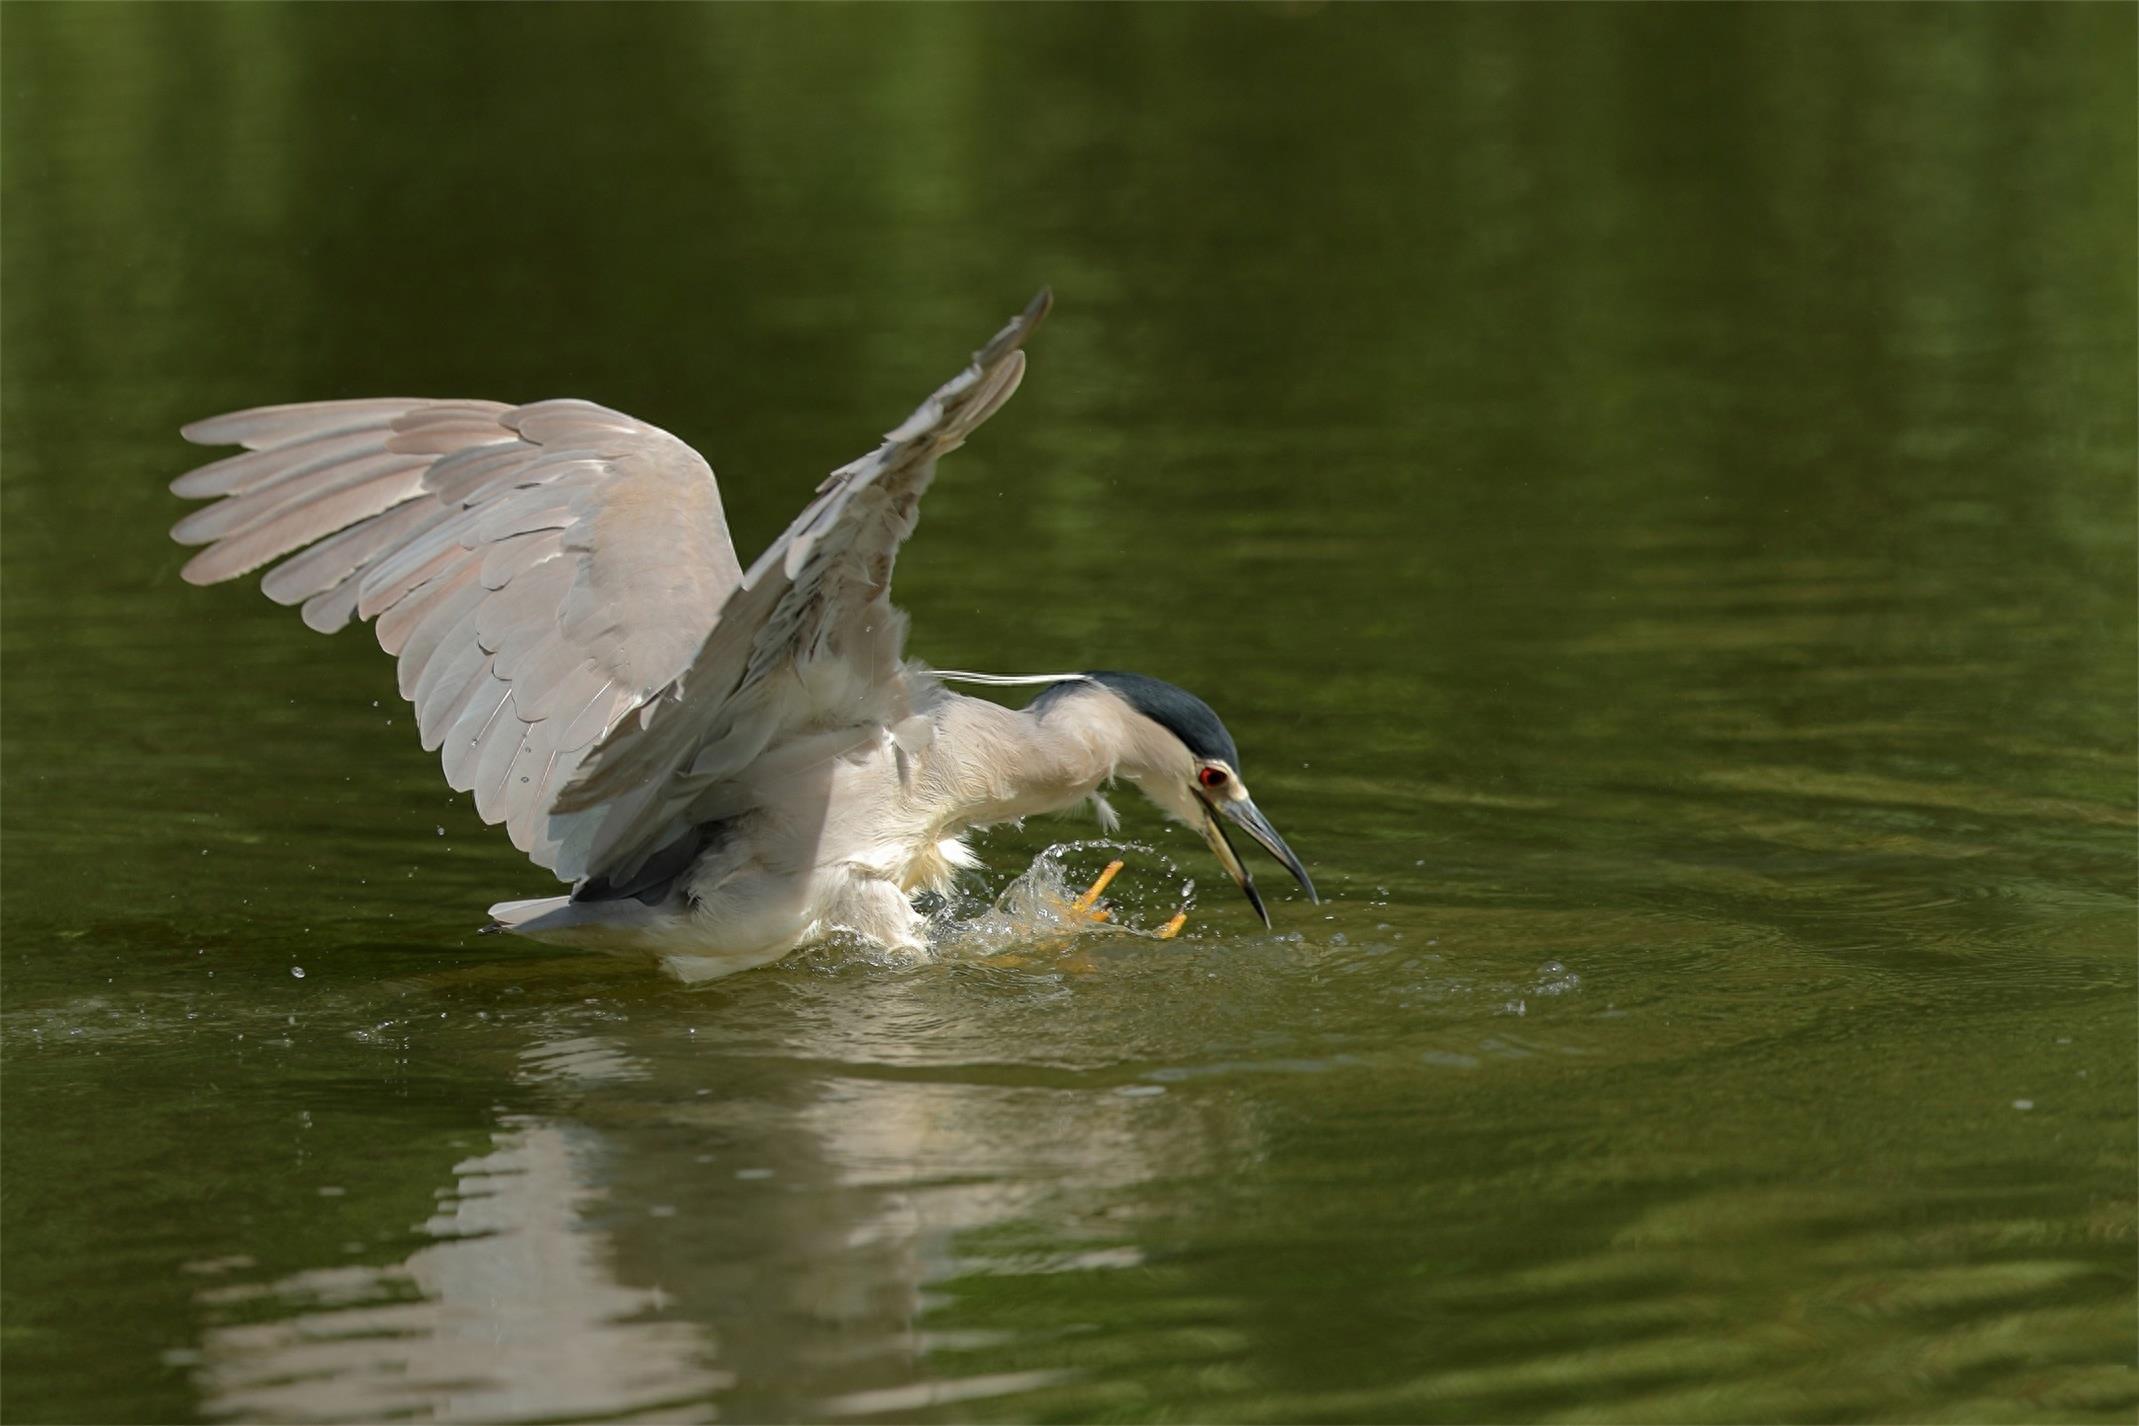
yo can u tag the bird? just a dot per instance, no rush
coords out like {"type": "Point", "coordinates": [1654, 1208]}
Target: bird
{"type": "Point", "coordinates": [724, 764]}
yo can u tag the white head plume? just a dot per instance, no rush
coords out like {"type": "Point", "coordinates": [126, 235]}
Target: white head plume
{"type": "Point", "coordinates": [1008, 680]}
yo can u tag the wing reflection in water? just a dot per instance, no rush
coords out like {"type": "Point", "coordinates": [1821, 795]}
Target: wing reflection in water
{"type": "Point", "coordinates": [761, 1220]}
{"type": "Point", "coordinates": [512, 1313]}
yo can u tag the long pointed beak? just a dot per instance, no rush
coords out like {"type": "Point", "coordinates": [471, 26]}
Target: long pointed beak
{"type": "Point", "coordinates": [1246, 815]}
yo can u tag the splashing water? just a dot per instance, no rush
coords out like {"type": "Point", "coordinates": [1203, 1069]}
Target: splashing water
{"type": "Point", "coordinates": [1038, 910]}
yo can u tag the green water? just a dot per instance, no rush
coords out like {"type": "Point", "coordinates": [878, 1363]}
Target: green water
{"type": "Point", "coordinates": [1651, 491]}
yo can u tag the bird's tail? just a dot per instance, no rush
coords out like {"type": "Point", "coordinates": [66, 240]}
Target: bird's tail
{"type": "Point", "coordinates": [522, 917]}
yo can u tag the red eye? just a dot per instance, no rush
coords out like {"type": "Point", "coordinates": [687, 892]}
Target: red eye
{"type": "Point", "coordinates": [1212, 777]}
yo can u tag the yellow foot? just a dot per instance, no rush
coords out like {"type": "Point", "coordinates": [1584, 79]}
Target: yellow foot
{"type": "Point", "coordinates": [1173, 928]}
{"type": "Point", "coordinates": [1083, 905]}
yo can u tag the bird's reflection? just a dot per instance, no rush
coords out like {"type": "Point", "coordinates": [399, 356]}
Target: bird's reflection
{"type": "Point", "coordinates": [512, 1312]}
{"type": "Point", "coordinates": [758, 1227]}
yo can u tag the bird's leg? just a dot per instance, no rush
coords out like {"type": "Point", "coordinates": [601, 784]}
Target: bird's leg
{"type": "Point", "coordinates": [1085, 905]}
{"type": "Point", "coordinates": [1086, 908]}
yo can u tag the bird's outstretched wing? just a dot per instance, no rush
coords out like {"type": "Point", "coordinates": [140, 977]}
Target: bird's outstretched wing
{"type": "Point", "coordinates": [542, 572]}
{"type": "Point", "coordinates": [808, 640]}
{"type": "Point", "coordinates": [539, 570]}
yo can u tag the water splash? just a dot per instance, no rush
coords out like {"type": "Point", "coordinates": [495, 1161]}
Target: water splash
{"type": "Point", "coordinates": [1038, 911]}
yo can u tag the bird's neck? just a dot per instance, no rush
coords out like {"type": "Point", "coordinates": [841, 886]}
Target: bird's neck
{"type": "Point", "coordinates": [990, 764]}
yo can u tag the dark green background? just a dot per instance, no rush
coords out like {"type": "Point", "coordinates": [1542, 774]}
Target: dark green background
{"type": "Point", "coordinates": [1651, 490]}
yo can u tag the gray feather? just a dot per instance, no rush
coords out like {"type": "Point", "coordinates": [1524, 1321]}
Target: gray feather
{"type": "Point", "coordinates": [499, 743]}
{"type": "Point", "coordinates": [466, 477]}
{"type": "Point", "coordinates": [233, 475]}
{"type": "Point", "coordinates": [267, 425]}
{"type": "Point", "coordinates": [329, 611]}
{"type": "Point", "coordinates": [435, 719]}
{"type": "Point", "coordinates": [516, 554]}
{"type": "Point", "coordinates": [300, 524]}
{"type": "Point", "coordinates": [422, 622]}
{"type": "Point", "coordinates": [591, 721]}
{"type": "Point", "coordinates": [344, 556]}
{"type": "Point", "coordinates": [464, 740]}
{"type": "Point", "coordinates": [445, 672]}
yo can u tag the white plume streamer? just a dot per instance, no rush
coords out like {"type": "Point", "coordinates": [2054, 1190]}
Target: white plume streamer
{"type": "Point", "coordinates": [1007, 680]}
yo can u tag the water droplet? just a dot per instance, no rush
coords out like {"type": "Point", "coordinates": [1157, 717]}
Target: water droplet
{"type": "Point", "coordinates": [441, 832]}
{"type": "Point", "coordinates": [298, 971]}
{"type": "Point", "coordinates": [2023, 1104]}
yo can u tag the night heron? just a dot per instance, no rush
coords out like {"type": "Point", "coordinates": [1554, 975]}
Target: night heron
{"type": "Point", "coordinates": [725, 764]}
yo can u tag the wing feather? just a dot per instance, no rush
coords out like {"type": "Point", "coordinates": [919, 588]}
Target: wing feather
{"type": "Point", "coordinates": [447, 676]}
{"type": "Point", "coordinates": [464, 740]}
{"type": "Point", "coordinates": [330, 609]}
{"type": "Point", "coordinates": [467, 477]}
{"type": "Point", "coordinates": [439, 609]}
{"type": "Point", "coordinates": [272, 533]}
{"type": "Point", "coordinates": [556, 579]}
{"type": "Point", "coordinates": [808, 634]}
{"type": "Point", "coordinates": [237, 475]}
{"type": "Point", "coordinates": [515, 554]}
{"type": "Point", "coordinates": [437, 717]}
{"type": "Point", "coordinates": [465, 530]}
{"type": "Point", "coordinates": [527, 803]}
{"type": "Point", "coordinates": [401, 572]}
{"type": "Point", "coordinates": [342, 558]}
{"type": "Point", "coordinates": [502, 742]}
{"type": "Point", "coordinates": [277, 425]}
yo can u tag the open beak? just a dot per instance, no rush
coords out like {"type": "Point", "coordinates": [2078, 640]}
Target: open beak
{"type": "Point", "coordinates": [1243, 813]}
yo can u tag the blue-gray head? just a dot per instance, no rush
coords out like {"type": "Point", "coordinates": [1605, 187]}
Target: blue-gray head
{"type": "Point", "coordinates": [1178, 753]}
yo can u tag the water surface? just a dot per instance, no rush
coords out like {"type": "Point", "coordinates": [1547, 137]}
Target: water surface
{"type": "Point", "coordinates": [1650, 491]}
